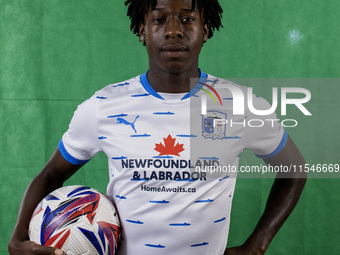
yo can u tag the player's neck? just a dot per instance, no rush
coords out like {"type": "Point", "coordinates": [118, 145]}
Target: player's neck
{"type": "Point", "coordinates": [169, 82]}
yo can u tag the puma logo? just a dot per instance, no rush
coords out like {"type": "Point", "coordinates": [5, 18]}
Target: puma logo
{"type": "Point", "coordinates": [125, 122]}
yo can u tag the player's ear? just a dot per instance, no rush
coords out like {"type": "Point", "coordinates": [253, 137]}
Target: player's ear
{"type": "Point", "coordinates": [141, 33]}
{"type": "Point", "coordinates": [205, 33]}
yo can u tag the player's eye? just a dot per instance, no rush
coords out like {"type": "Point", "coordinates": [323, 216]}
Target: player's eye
{"type": "Point", "coordinates": [158, 21]}
{"type": "Point", "coordinates": [187, 19]}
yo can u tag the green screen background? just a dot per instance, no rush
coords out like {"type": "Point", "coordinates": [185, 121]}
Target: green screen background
{"type": "Point", "coordinates": [54, 54]}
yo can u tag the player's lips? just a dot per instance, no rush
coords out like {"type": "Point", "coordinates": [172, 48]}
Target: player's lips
{"type": "Point", "coordinates": [174, 51]}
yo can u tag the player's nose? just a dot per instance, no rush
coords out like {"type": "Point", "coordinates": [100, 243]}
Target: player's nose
{"type": "Point", "coordinates": [173, 28]}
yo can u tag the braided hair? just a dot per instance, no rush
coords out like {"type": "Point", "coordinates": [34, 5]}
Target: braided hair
{"type": "Point", "coordinates": [212, 13]}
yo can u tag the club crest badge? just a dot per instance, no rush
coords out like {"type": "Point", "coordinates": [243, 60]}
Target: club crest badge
{"type": "Point", "coordinates": [209, 130]}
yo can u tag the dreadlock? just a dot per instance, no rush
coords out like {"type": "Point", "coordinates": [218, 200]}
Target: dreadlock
{"type": "Point", "coordinates": [212, 13]}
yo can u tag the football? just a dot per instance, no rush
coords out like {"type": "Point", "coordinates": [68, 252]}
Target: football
{"type": "Point", "coordinates": [78, 220]}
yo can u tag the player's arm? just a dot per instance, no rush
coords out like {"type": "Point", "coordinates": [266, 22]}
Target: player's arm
{"type": "Point", "coordinates": [51, 177]}
{"type": "Point", "coordinates": [284, 195]}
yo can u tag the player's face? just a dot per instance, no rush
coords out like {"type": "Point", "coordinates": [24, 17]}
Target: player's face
{"type": "Point", "coordinates": [173, 34]}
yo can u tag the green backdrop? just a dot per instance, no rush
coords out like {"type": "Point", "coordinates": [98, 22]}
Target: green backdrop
{"type": "Point", "coordinates": [55, 53]}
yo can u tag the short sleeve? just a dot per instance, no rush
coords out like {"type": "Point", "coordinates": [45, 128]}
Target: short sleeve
{"type": "Point", "coordinates": [80, 142]}
{"type": "Point", "coordinates": [265, 136]}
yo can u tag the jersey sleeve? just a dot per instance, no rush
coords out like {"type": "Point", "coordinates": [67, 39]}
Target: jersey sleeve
{"type": "Point", "coordinates": [80, 142]}
{"type": "Point", "coordinates": [265, 136]}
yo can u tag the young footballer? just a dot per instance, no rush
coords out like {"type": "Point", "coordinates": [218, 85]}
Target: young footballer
{"type": "Point", "coordinates": [155, 137]}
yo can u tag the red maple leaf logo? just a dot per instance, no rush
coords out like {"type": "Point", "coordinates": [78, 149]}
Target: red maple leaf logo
{"type": "Point", "coordinates": [169, 147]}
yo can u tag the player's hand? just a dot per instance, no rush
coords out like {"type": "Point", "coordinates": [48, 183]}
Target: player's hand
{"type": "Point", "coordinates": [31, 248]}
{"type": "Point", "coordinates": [241, 250]}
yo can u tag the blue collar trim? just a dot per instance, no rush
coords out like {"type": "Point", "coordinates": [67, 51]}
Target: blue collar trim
{"type": "Point", "coordinates": [145, 83]}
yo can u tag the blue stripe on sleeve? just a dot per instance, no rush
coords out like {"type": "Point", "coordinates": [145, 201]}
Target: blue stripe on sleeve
{"type": "Point", "coordinates": [278, 149]}
{"type": "Point", "coordinates": [68, 157]}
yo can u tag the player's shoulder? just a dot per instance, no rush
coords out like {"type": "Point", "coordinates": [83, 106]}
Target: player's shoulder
{"type": "Point", "coordinates": [230, 90]}
{"type": "Point", "coordinates": [225, 86]}
{"type": "Point", "coordinates": [120, 89]}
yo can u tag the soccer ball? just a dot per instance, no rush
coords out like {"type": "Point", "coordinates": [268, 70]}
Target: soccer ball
{"type": "Point", "coordinates": [78, 220]}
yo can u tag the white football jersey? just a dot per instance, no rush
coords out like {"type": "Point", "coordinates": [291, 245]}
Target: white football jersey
{"type": "Point", "coordinates": [158, 146]}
